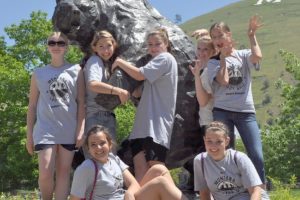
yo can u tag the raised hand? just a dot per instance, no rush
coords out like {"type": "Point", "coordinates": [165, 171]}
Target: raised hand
{"type": "Point", "coordinates": [254, 24]}
{"type": "Point", "coordinates": [197, 68]}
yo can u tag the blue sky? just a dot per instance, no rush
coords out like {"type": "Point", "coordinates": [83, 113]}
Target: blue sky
{"type": "Point", "coordinates": [13, 11]}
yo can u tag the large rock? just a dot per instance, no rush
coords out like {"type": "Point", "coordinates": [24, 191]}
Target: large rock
{"type": "Point", "coordinates": [129, 21]}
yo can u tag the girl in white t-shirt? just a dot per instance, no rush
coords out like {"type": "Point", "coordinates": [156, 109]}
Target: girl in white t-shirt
{"type": "Point", "coordinates": [205, 50]}
{"type": "Point", "coordinates": [112, 175]}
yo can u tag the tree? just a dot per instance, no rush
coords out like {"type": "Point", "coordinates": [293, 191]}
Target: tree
{"type": "Point", "coordinates": [282, 139]}
{"type": "Point", "coordinates": [15, 164]}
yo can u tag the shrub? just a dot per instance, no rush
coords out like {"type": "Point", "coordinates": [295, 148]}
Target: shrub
{"type": "Point", "coordinates": [281, 139]}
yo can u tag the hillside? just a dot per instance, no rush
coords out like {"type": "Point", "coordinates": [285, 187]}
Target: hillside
{"type": "Point", "coordinates": [280, 31]}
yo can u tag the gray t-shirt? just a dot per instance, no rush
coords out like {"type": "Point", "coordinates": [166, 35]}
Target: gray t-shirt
{"type": "Point", "coordinates": [155, 112]}
{"type": "Point", "coordinates": [226, 179]}
{"type": "Point", "coordinates": [109, 184]}
{"type": "Point", "coordinates": [93, 70]}
{"type": "Point", "coordinates": [237, 95]}
{"type": "Point", "coordinates": [56, 117]}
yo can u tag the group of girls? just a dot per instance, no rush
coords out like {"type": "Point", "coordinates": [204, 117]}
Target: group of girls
{"type": "Point", "coordinates": [224, 94]}
{"type": "Point", "coordinates": [62, 108]}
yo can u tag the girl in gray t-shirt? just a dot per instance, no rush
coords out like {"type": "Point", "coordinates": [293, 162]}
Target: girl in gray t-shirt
{"type": "Point", "coordinates": [225, 173]}
{"type": "Point", "coordinates": [55, 118]}
{"type": "Point", "coordinates": [152, 129]}
{"type": "Point", "coordinates": [97, 72]}
{"type": "Point", "coordinates": [106, 177]}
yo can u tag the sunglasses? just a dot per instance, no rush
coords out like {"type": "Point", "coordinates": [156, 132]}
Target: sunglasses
{"type": "Point", "coordinates": [52, 43]}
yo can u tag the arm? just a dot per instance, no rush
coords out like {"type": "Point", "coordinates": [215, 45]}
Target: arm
{"type": "Point", "coordinates": [31, 113]}
{"type": "Point", "coordinates": [255, 192]}
{"type": "Point", "coordinates": [222, 75]}
{"type": "Point", "coordinates": [80, 110]}
{"type": "Point", "coordinates": [131, 184]}
{"type": "Point", "coordinates": [254, 24]}
{"type": "Point", "coordinates": [104, 88]}
{"type": "Point", "coordinates": [202, 95]}
{"type": "Point", "coordinates": [131, 70]}
{"type": "Point", "coordinates": [204, 194]}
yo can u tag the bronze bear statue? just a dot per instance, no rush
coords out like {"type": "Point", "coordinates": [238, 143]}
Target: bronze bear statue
{"type": "Point", "coordinates": [129, 21]}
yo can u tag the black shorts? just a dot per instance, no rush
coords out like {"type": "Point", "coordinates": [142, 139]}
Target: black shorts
{"type": "Point", "coordinates": [153, 151]}
{"type": "Point", "coordinates": [40, 147]}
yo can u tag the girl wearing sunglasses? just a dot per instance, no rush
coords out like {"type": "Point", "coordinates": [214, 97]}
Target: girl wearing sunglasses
{"type": "Point", "coordinates": [55, 118]}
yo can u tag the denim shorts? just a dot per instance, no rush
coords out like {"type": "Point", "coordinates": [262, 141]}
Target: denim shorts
{"type": "Point", "coordinates": [103, 118]}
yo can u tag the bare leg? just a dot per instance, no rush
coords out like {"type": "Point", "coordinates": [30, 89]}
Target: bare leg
{"type": "Point", "coordinates": [159, 188]}
{"type": "Point", "coordinates": [46, 159]}
{"type": "Point", "coordinates": [63, 168]}
{"type": "Point", "coordinates": [155, 171]}
{"type": "Point", "coordinates": [140, 166]}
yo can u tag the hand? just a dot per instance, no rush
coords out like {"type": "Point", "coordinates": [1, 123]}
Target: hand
{"type": "Point", "coordinates": [197, 68]}
{"type": "Point", "coordinates": [123, 95]}
{"type": "Point", "coordinates": [116, 64]}
{"type": "Point", "coordinates": [137, 92]}
{"type": "Point", "coordinates": [29, 145]}
{"type": "Point", "coordinates": [79, 140]}
{"type": "Point", "coordinates": [227, 48]}
{"type": "Point", "coordinates": [254, 24]}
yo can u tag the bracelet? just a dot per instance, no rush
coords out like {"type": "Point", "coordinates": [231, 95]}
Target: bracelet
{"type": "Point", "coordinates": [111, 90]}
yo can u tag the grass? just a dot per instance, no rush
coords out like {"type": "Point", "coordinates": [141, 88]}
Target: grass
{"type": "Point", "coordinates": [296, 193]}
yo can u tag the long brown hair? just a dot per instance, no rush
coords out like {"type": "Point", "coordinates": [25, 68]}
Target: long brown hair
{"type": "Point", "coordinates": [163, 34]}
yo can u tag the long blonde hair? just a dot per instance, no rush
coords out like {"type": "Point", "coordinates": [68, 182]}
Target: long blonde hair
{"type": "Point", "coordinates": [105, 34]}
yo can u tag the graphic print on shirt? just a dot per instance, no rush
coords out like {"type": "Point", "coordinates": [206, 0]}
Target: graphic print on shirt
{"type": "Point", "coordinates": [118, 181]}
{"type": "Point", "coordinates": [237, 81]}
{"type": "Point", "coordinates": [226, 184]}
{"type": "Point", "coordinates": [59, 91]}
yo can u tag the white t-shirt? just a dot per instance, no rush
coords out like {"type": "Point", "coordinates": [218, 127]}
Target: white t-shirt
{"type": "Point", "coordinates": [205, 113]}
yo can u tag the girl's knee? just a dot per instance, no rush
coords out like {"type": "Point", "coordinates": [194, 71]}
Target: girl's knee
{"type": "Point", "coordinates": [45, 176]}
{"type": "Point", "coordinates": [159, 169]}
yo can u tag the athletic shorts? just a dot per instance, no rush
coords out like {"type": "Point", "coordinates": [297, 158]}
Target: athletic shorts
{"type": "Point", "coordinates": [153, 151]}
{"type": "Point", "coordinates": [40, 147]}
